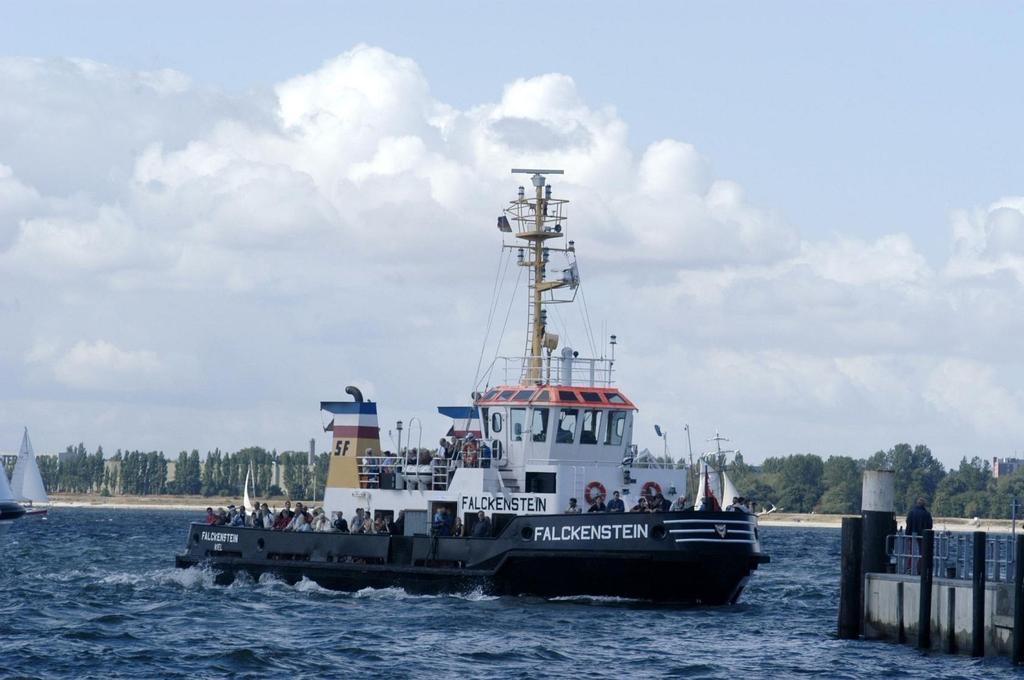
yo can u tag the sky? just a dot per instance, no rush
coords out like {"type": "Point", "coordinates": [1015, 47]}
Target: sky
{"type": "Point", "coordinates": [804, 221]}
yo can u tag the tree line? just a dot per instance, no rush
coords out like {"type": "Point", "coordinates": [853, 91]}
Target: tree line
{"type": "Point", "coordinates": [795, 483]}
{"type": "Point", "coordinates": [808, 483]}
{"type": "Point", "coordinates": [219, 473]}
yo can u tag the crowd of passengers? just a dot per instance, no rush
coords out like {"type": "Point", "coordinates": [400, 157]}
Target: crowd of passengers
{"type": "Point", "coordinates": [656, 502]}
{"type": "Point", "coordinates": [301, 518]}
{"type": "Point", "coordinates": [470, 451]}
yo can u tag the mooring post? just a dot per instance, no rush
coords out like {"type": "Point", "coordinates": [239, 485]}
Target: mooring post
{"type": "Point", "coordinates": [877, 494]}
{"type": "Point", "coordinates": [924, 609]}
{"type": "Point", "coordinates": [851, 582]}
{"type": "Point", "coordinates": [1018, 602]}
{"type": "Point", "coordinates": [978, 595]}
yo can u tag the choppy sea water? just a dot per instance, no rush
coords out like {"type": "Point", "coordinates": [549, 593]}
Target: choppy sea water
{"type": "Point", "coordinates": [92, 593]}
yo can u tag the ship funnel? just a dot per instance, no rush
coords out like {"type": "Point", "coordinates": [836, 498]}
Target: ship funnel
{"type": "Point", "coordinates": [354, 391]}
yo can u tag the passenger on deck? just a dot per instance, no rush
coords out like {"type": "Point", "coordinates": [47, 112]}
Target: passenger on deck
{"type": "Point", "coordinates": [398, 528]}
{"type": "Point", "coordinates": [734, 506]}
{"type": "Point", "coordinates": [356, 525]}
{"type": "Point", "coordinates": [339, 523]}
{"type": "Point", "coordinates": [598, 505]}
{"type": "Point", "coordinates": [304, 522]}
{"type": "Point", "coordinates": [660, 504]}
{"type": "Point", "coordinates": [319, 520]}
{"type": "Point", "coordinates": [444, 449]}
{"type": "Point", "coordinates": [482, 528]}
{"type": "Point", "coordinates": [707, 504]}
{"type": "Point", "coordinates": [616, 504]}
{"type": "Point", "coordinates": [284, 518]}
{"type": "Point", "coordinates": [573, 509]}
{"type": "Point", "coordinates": [680, 504]}
{"type": "Point", "coordinates": [239, 519]}
{"type": "Point", "coordinates": [211, 516]}
{"type": "Point", "coordinates": [441, 525]}
{"type": "Point", "coordinates": [457, 529]}
{"type": "Point", "coordinates": [255, 518]}
{"type": "Point", "coordinates": [641, 505]}
{"type": "Point", "coordinates": [379, 527]}
{"type": "Point", "coordinates": [485, 455]}
{"type": "Point", "coordinates": [268, 516]}
{"type": "Point", "coordinates": [298, 519]}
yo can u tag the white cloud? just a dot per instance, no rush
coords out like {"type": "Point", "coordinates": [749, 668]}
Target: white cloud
{"type": "Point", "coordinates": [100, 365]}
{"type": "Point", "coordinates": [340, 226]}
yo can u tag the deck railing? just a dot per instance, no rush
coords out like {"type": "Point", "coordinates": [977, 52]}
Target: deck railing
{"type": "Point", "coordinates": [556, 371]}
{"type": "Point", "coordinates": [953, 555]}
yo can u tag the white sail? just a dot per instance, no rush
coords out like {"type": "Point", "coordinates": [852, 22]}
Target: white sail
{"type": "Point", "coordinates": [728, 490]}
{"type": "Point", "coordinates": [27, 483]}
{"type": "Point", "coordinates": [246, 500]}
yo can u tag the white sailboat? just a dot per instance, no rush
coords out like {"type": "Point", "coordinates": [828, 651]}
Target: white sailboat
{"type": "Point", "coordinates": [27, 483]}
{"type": "Point", "coordinates": [246, 498]}
{"type": "Point", "coordinates": [715, 483]}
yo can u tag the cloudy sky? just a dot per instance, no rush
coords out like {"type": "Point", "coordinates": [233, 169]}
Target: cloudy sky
{"type": "Point", "coordinates": [805, 224]}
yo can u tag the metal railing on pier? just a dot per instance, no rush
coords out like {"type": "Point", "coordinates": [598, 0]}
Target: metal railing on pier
{"type": "Point", "coordinates": [953, 555]}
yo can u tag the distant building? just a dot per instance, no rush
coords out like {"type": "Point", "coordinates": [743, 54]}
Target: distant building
{"type": "Point", "coordinates": [1006, 466]}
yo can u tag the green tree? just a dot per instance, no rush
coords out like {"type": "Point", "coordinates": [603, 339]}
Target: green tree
{"type": "Point", "coordinates": [842, 477]}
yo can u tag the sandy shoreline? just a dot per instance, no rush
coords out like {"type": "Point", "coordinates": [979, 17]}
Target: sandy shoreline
{"type": "Point", "coordinates": [199, 504]}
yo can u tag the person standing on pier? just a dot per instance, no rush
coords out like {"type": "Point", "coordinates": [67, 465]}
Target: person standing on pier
{"type": "Point", "coordinates": [919, 520]}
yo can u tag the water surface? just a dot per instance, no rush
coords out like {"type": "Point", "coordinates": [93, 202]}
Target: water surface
{"type": "Point", "coordinates": [92, 593]}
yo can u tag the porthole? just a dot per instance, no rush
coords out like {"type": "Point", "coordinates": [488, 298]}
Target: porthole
{"type": "Point", "coordinates": [658, 533]}
{"type": "Point", "coordinates": [195, 538]}
{"type": "Point", "coordinates": [260, 545]}
{"type": "Point", "coordinates": [526, 533]}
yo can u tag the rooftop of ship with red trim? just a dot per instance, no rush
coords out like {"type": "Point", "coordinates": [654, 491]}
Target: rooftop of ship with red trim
{"type": "Point", "coordinates": [555, 395]}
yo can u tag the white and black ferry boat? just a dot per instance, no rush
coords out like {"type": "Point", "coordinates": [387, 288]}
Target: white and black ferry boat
{"type": "Point", "coordinates": [559, 428]}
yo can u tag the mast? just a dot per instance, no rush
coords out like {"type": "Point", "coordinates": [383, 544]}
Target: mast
{"type": "Point", "coordinates": [538, 220]}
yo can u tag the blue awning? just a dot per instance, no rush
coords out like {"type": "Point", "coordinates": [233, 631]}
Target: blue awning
{"type": "Point", "coordinates": [459, 412]}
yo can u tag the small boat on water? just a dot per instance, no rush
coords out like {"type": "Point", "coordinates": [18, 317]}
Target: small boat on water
{"type": "Point", "coordinates": [27, 482]}
{"type": "Point", "coordinates": [554, 431]}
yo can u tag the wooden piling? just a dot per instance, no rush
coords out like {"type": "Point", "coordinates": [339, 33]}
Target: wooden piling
{"type": "Point", "coordinates": [851, 582]}
{"type": "Point", "coordinates": [1018, 603]}
{"type": "Point", "coordinates": [978, 595]}
{"type": "Point", "coordinates": [924, 616]}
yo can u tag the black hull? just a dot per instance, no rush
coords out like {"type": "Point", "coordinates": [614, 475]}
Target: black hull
{"type": "Point", "coordinates": [649, 563]}
{"type": "Point", "coordinates": [9, 510]}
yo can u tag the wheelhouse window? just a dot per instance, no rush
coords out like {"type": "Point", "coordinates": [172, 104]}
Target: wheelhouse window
{"type": "Point", "coordinates": [518, 420]}
{"type": "Point", "coordinates": [524, 395]}
{"type": "Point", "coordinates": [567, 425]}
{"type": "Point", "coordinates": [615, 398]}
{"type": "Point", "coordinates": [567, 395]}
{"type": "Point", "coordinates": [591, 397]}
{"type": "Point", "coordinates": [540, 425]}
{"type": "Point", "coordinates": [591, 426]}
{"type": "Point", "coordinates": [506, 395]}
{"type": "Point", "coordinates": [616, 427]}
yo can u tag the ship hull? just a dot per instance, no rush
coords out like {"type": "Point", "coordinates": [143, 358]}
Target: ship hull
{"type": "Point", "coordinates": [685, 558]}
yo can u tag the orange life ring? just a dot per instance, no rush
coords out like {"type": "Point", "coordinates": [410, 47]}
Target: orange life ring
{"type": "Point", "coordinates": [590, 488]}
{"type": "Point", "coordinates": [646, 489]}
